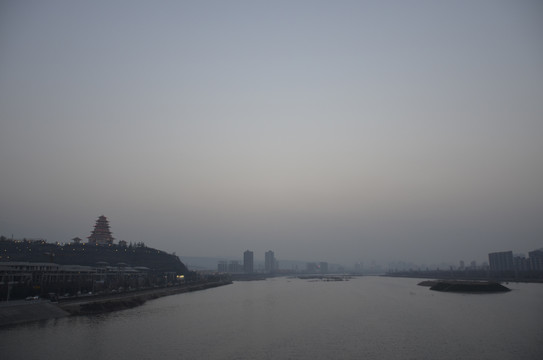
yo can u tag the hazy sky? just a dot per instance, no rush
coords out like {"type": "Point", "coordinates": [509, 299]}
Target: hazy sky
{"type": "Point", "coordinates": [335, 131]}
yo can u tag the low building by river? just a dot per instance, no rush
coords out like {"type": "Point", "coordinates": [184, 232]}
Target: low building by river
{"type": "Point", "coordinates": [22, 279]}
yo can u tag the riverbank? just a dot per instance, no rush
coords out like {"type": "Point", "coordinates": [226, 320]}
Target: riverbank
{"type": "Point", "coordinates": [17, 312]}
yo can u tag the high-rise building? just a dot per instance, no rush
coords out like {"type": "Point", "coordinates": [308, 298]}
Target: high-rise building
{"type": "Point", "coordinates": [536, 260]}
{"type": "Point", "coordinates": [501, 261]}
{"type": "Point", "coordinates": [323, 267]}
{"type": "Point", "coordinates": [222, 266]}
{"type": "Point", "coordinates": [269, 262]}
{"type": "Point", "coordinates": [520, 262]}
{"type": "Point", "coordinates": [101, 235]}
{"type": "Point", "coordinates": [248, 262]}
{"type": "Point", "coordinates": [234, 267]}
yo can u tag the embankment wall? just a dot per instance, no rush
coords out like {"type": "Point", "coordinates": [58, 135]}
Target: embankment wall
{"type": "Point", "coordinates": [21, 312]}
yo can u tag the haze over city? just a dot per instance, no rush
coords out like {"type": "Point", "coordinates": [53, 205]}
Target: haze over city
{"type": "Point", "coordinates": [340, 131]}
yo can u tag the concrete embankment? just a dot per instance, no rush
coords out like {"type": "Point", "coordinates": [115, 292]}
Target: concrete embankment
{"type": "Point", "coordinates": [93, 305]}
{"type": "Point", "coordinates": [17, 312]}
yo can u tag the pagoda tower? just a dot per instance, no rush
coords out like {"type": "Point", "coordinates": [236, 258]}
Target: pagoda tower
{"type": "Point", "coordinates": [101, 235]}
{"type": "Point", "coordinates": [76, 240]}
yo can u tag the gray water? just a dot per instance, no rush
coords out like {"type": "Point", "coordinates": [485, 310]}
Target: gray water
{"type": "Point", "coordinates": [283, 318]}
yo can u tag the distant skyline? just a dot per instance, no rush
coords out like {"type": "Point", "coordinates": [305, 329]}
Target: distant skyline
{"type": "Point", "coordinates": [337, 131]}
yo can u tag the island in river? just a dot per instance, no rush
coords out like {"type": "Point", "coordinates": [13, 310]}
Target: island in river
{"type": "Point", "coordinates": [466, 286]}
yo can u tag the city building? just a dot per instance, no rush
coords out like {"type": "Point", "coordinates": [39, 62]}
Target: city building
{"type": "Point", "coordinates": [536, 260]}
{"type": "Point", "coordinates": [101, 235]}
{"type": "Point", "coordinates": [234, 267]}
{"type": "Point", "coordinates": [222, 266]}
{"type": "Point", "coordinates": [21, 277]}
{"type": "Point", "coordinates": [269, 262]}
{"type": "Point", "coordinates": [311, 267]}
{"type": "Point", "coordinates": [323, 267]}
{"type": "Point", "coordinates": [248, 262]}
{"type": "Point", "coordinates": [501, 261]}
{"type": "Point", "coordinates": [521, 263]}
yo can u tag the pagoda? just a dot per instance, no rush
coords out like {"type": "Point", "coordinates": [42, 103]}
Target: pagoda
{"type": "Point", "coordinates": [101, 235]}
{"type": "Point", "coordinates": [76, 240]}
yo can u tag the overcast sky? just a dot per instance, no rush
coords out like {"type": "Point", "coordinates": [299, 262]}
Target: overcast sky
{"type": "Point", "coordinates": [335, 131]}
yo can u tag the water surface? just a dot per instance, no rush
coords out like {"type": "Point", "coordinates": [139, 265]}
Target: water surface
{"type": "Point", "coordinates": [283, 318]}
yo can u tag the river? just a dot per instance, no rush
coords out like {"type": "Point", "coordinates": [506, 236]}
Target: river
{"type": "Point", "coordinates": [290, 318]}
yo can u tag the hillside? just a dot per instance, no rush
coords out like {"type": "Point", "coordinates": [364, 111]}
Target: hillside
{"type": "Point", "coordinates": [90, 255]}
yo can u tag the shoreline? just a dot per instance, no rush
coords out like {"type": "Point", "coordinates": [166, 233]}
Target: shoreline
{"type": "Point", "coordinates": [19, 312]}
